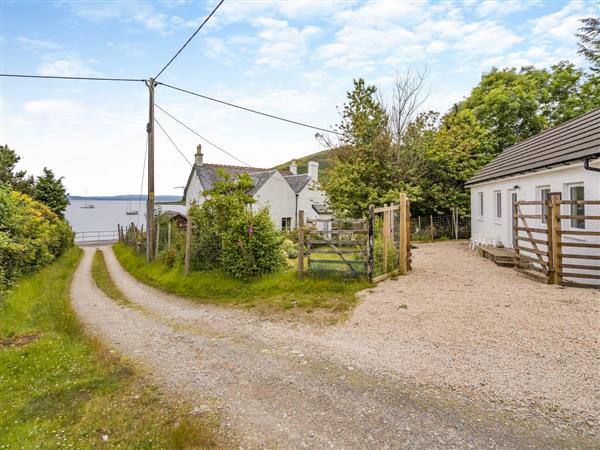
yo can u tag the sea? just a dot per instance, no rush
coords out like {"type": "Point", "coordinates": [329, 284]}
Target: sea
{"type": "Point", "coordinates": [106, 214]}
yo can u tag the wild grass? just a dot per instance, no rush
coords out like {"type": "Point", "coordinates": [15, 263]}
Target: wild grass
{"type": "Point", "coordinates": [58, 389]}
{"type": "Point", "coordinates": [104, 281]}
{"type": "Point", "coordinates": [281, 291]}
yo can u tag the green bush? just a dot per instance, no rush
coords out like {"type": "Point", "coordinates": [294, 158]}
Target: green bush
{"type": "Point", "coordinates": [289, 248]}
{"type": "Point", "coordinates": [252, 245]}
{"type": "Point", "coordinates": [31, 236]}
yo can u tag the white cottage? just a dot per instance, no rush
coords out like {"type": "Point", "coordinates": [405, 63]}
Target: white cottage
{"type": "Point", "coordinates": [563, 159]}
{"type": "Point", "coordinates": [285, 193]}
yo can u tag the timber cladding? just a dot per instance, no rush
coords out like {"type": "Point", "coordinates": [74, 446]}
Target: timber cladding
{"type": "Point", "coordinates": [562, 246]}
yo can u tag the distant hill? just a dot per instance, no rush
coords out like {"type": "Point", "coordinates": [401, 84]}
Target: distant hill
{"type": "Point", "coordinates": [127, 197]}
{"type": "Point", "coordinates": [324, 158]}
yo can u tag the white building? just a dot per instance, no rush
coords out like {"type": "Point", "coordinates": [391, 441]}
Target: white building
{"type": "Point", "coordinates": [563, 160]}
{"type": "Point", "coordinates": [285, 193]}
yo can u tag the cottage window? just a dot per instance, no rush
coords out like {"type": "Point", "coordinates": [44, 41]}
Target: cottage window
{"type": "Point", "coordinates": [544, 196]}
{"type": "Point", "coordinates": [286, 223]}
{"type": "Point", "coordinates": [498, 199]}
{"type": "Point", "coordinates": [481, 204]}
{"type": "Point", "coordinates": [577, 193]}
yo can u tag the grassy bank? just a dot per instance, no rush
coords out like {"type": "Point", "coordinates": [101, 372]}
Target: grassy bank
{"type": "Point", "coordinates": [58, 389]}
{"type": "Point", "coordinates": [322, 298]}
{"type": "Point", "coordinates": [105, 282]}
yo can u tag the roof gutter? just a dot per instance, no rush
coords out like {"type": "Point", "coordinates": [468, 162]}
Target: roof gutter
{"type": "Point", "coordinates": [586, 165]}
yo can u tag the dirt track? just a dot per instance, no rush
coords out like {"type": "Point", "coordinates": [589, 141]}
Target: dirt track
{"type": "Point", "coordinates": [420, 376]}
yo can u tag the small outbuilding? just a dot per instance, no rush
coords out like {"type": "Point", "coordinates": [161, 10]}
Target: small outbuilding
{"type": "Point", "coordinates": [564, 159]}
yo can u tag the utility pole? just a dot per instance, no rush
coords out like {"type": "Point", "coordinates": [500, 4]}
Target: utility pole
{"type": "Point", "coordinates": [150, 251]}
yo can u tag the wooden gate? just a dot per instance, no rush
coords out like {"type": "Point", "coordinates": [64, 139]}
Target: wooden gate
{"type": "Point", "coordinates": [377, 247]}
{"type": "Point", "coordinates": [558, 242]}
{"type": "Point", "coordinates": [390, 240]}
{"type": "Point", "coordinates": [335, 246]}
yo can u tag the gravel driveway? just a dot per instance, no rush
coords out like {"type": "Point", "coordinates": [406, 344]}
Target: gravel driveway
{"type": "Point", "coordinates": [460, 353]}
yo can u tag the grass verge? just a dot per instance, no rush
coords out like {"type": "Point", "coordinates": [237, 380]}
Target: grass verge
{"type": "Point", "coordinates": [323, 299]}
{"type": "Point", "coordinates": [59, 389]}
{"type": "Point", "coordinates": [104, 281]}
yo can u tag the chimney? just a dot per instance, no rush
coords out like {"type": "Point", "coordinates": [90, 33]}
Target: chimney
{"type": "Point", "coordinates": [198, 155]}
{"type": "Point", "coordinates": [313, 170]}
{"type": "Point", "coordinates": [293, 167]}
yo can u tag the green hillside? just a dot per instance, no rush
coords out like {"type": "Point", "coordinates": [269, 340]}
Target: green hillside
{"type": "Point", "coordinates": [324, 158]}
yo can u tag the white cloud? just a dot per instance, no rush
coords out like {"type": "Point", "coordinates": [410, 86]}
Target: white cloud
{"type": "Point", "coordinates": [282, 45]}
{"type": "Point", "coordinates": [35, 44]}
{"type": "Point", "coordinates": [66, 66]}
{"type": "Point", "coordinates": [54, 107]}
{"type": "Point", "coordinates": [562, 25]}
{"type": "Point", "coordinates": [498, 8]}
{"type": "Point", "coordinates": [486, 38]}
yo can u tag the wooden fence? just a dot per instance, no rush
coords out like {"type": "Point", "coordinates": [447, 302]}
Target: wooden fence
{"type": "Point", "coordinates": [557, 246]}
{"type": "Point", "coordinates": [377, 247]}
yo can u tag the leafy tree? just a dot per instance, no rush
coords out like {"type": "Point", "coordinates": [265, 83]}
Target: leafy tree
{"type": "Point", "coordinates": [15, 180]}
{"type": "Point", "coordinates": [460, 148]}
{"type": "Point", "coordinates": [506, 103]}
{"type": "Point", "coordinates": [589, 41]}
{"type": "Point", "coordinates": [363, 118]}
{"type": "Point", "coordinates": [50, 191]}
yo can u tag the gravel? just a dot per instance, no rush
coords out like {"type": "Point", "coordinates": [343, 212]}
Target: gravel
{"type": "Point", "coordinates": [460, 353]}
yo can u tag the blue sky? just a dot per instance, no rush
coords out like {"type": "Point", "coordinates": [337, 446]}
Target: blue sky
{"type": "Point", "coordinates": [291, 58]}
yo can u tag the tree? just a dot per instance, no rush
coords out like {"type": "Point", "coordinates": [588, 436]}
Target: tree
{"type": "Point", "coordinates": [589, 41]}
{"type": "Point", "coordinates": [50, 191]}
{"type": "Point", "coordinates": [15, 180]}
{"type": "Point", "coordinates": [460, 148]}
{"type": "Point", "coordinates": [373, 165]}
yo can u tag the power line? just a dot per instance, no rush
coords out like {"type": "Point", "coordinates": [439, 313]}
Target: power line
{"type": "Point", "coordinates": [202, 137]}
{"type": "Point", "coordinates": [173, 142]}
{"type": "Point", "coordinates": [250, 109]}
{"type": "Point", "coordinates": [53, 77]}
{"type": "Point", "coordinates": [191, 37]}
{"type": "Point", "coordinates": [209, 142]}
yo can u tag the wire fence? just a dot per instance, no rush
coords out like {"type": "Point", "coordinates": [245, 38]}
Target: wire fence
{"type": "Point", "coordinates": [429, 228]}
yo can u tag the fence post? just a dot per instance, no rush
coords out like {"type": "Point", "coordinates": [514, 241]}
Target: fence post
{"type": "Point", "coordinates": [554, 249]}
{"type": "Point", "coordinates": [169, 235]}
{"type": "Point", "coordinates": [188, 245]}
{"type": "Point", "coordinates": [301, 243]}
{"type": "Point", "coordinates": [431, 227]}
{"type": "Point", "coordinates": [404, 233]}
{"type": "Point", "coordinates": [371, 243]}
{"type": "Point", "coordinates": [157, 249]}
{"type": "Point", "coordinates": [515, 207]}
{"type": "Point", "coordinates": [386, 219]}
{"type": "Point", "coordinates": [408, 235]}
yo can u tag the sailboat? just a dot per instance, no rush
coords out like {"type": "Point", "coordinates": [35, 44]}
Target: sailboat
{"type": "Point", "coordinates": [87, 205]}
{"type": "Point", "coordinates": [129, 211]}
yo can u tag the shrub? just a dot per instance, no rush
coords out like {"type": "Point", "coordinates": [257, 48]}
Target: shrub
{"type": "Point", "coordinates": [289, 248]}
{"type": "Point", "coordinates": [31, 236]}
{"type": "Point", "coordinates": [252, 245]}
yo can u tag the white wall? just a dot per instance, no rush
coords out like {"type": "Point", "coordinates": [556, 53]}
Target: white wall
{"type": "Point", "coordinates": [310, 195]}
{"type": "Point", "coordinates": [490, 230]}
{"type": "Point", "coordinates": [279, 196]}
{"type": "Point", "coordinates": [193, 191]}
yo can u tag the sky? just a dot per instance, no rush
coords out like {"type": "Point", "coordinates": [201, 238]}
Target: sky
{"type": "Point", "coordinates": [293, 58]}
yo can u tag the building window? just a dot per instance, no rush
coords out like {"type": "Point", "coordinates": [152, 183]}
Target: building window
{"type": "Point", "coordinates": [544, 197]}
{"type": "Point", "coordinates": [498, 200]}
{"type": "Point", "coordinates": [577, 193]}
{"type": "Point", "coordinates": [481, 204]}
{"type": "Point", "coordinates": [286, 223]}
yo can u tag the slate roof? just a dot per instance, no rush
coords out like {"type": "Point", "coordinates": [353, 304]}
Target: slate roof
{"type": "Point", "coordinates": [569, 142]}
{"type": "Point", "coordinates": [260, 178]}
{"type": "Point", "coordinates": [208, 175]}
{"type": "Point", "coordinates": [297, 182]}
